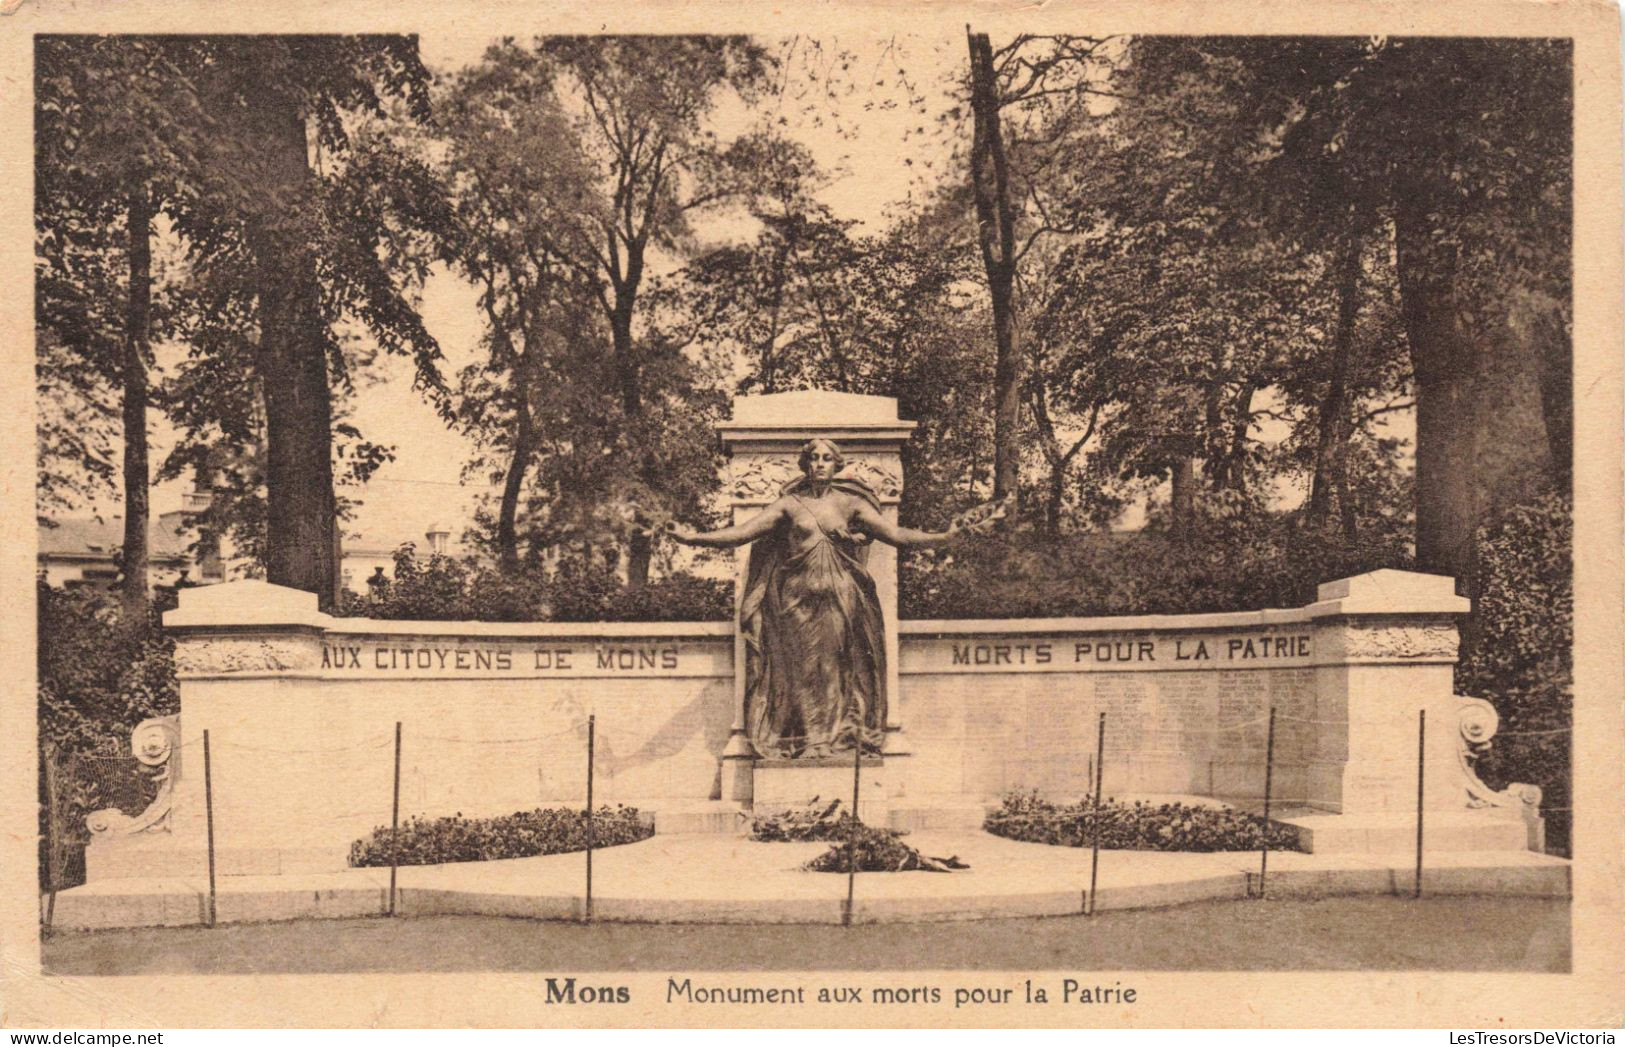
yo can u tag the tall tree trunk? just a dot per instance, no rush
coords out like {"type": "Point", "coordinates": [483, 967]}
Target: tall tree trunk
{"type": "Point", "coordinates": [626, 369]}
{"type": "Point", "coordinates": [293, 370]}
{"type": "Point", "coordinates": [1215, 462]}
{"type": "Point", "coordinates": [1550, 333]}
{"type": "Point", "coordinates": [995, 220]}
{"type": "Point", "coordinates": [1182, 494]}
{"type": "Point", "coordinates": [1057, 495]}
{"type": "Point", "coordinates": [1445, 363]}
{"type": "Point", "coordinates": [1049, 442]}
{"type": "Point", "coordinates": [1331, 445]}
{"type": "Point", "coordinates": [640, 548]}
{"type": "Point", "coordinates": [524, 447]}
{"type": "Point", "coordinates": [1483, 435]}
{"type": "Point", "coordinates": [1235, 471]}
{"type": "Point", "coordinates": [1345, 503]}
{"type": "Point", "coordinates": [1059, 461]}
{"type": "Point", "coordinates": [781, 260]}
{"type": "Point", "coordinates": [209, 562]}
{"type": "Point", "coordinates": [137, 323]}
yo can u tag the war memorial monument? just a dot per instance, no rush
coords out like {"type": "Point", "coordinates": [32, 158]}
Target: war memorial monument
{"type": "Point", "coordinates": [702, 723]}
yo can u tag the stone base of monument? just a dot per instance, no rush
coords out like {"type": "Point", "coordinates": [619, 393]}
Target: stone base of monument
{"type": "Point", "coordinates": [782, 784]}
{"type": "Point", "coordinates": [727, 818]}
{"type": "Point", "coordinates": [142, 854]}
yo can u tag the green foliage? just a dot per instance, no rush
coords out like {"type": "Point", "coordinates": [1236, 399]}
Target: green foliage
{"type": "Point", "coordinates": [100, 672]}
{"type": "Point", "coordinates": [441, 588]}
{"type": "Point", "coordinates": [302, 266]}
{"type": "Point", "coordinates": [1136, 827]}
{"type": "Point", "coordinates": [587, 594]}
{"type": "Point", "coordinates": [1235, 556]}
{"type": "Point", "coordinates": [1519, 651]}
{"type": "Point", "coordinates": [110, 142]}
{"type": "Point", "coordinates": [569, 161]}
{"type": "Point", "coordinates": [545, 830]}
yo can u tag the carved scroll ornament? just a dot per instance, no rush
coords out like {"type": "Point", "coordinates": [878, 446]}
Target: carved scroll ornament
{"type": "Point", "coordinates": [154, 743]}
{"type": "Point", "coordinates": [1479, 721]}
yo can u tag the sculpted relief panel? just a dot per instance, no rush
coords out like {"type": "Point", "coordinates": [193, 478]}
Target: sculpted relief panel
{"type": "Point", "coordinates": [1401, 641]}
{"type": "Point", "coordinates": [885, 479]}
{"type": "Point", "coordinates": [760, 478]}
{"type": "Point", "coordinates": [218, 655]}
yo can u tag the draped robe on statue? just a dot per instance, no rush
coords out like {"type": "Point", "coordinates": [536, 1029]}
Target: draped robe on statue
{"type": "Point", "coordinates": [815, 649]}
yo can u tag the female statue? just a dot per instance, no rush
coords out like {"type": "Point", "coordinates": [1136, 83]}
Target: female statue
{"type": "Point", "coordinates": [815, 651]}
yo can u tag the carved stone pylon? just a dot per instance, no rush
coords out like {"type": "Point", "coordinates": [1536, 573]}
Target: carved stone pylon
{"type": "Point", "coordinates": [763, 439]}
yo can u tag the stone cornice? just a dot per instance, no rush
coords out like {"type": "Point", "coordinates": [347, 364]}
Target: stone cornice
{"type": "Point", "coordinates": [534, 630]}
{"type": "Point", "coordinates": [784, 438]}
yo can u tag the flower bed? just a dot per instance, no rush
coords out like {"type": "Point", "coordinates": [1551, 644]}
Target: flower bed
{"type": "Point", "coordinates": [877, 850]}
{"type": "Point", "coordinates": [1136, 826]}
{"type": "Point", "coordinates": [546, 830]}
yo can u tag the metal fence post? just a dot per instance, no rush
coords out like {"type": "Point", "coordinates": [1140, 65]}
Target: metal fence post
{"type": "Point", "coordinates": [1100, 775]}
{"type": "Point", "coordinates": [53, 834]}
{"type": "Point", "coordinates": [395, 821]}
{"type": "Point", "coordinates": [1421, 778]}
{"type": "Point", "coordinates": [591, 730]}
{"type": "Point", "coordinates": [208, 816]}
{"type": "Point", "coordinates": [1269, 772]}
{"type": "Point", "coordinates": [852, 836]}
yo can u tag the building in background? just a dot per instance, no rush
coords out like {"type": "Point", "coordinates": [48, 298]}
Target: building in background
{"type": "Point", "coordinates": [81, 553]}
{"type": "Point", "coordinates": [384, 516]}
{"type": "Point", "coordinates": [388, 514]}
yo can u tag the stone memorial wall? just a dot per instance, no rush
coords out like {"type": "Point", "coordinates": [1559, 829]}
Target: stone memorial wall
{"type": "Point", "coordinates": [992, 707]}
{"type": "Point", "coordinates": [301, 708]}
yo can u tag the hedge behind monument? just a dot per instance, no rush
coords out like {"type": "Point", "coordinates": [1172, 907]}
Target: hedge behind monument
{"type": "Point", "coordinates": [440, 589]}
{"type": "Point", "coordinates": [101, 672]}
{"type": "Point", "coordinates": [1234, 556]}
{"type": "Point", "coordinates": [1518, 653]}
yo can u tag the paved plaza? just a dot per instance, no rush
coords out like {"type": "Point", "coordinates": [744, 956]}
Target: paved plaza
{"type": "Point", "coordinates": [1342, 934]}
{"type": "Point", "coordinates": [702, 878]}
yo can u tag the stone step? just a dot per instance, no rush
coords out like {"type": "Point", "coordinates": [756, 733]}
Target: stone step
{"type": "Point", "coordinates": [962, 816]}
{"type": "Point", "coordinates": [715, 879]}
{"type": "Point", "coordinates": [1454, 831]}
{"type": "Point", "coordinates": [722, 818]}
{"type": "Point", "coordinates": [1487, 873]}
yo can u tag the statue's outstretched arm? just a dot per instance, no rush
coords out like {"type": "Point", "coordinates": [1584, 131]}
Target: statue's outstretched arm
{"type": "Point", "coordinates": [875, 525]}
{"type": "Point", "coordinates": [727, 537]}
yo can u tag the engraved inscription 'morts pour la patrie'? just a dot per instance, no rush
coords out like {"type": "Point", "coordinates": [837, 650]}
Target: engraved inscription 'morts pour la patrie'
{"type": "Point", "coordinates": [815, 651]}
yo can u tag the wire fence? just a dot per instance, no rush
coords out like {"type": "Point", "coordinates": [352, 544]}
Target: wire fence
{"type": "Point", "coordinates": [116, 790]}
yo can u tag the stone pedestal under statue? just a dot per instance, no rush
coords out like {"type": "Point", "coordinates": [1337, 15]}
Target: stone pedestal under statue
{"type": "Point", "coordinates": [764, 439]}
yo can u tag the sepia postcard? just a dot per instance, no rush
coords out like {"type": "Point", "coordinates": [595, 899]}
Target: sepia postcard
{"type": "Point", "coordinates": [1091, 514]}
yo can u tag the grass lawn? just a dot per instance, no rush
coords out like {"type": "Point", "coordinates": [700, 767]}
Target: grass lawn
{"type": "Point", "coordinates": [1368, 933]}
